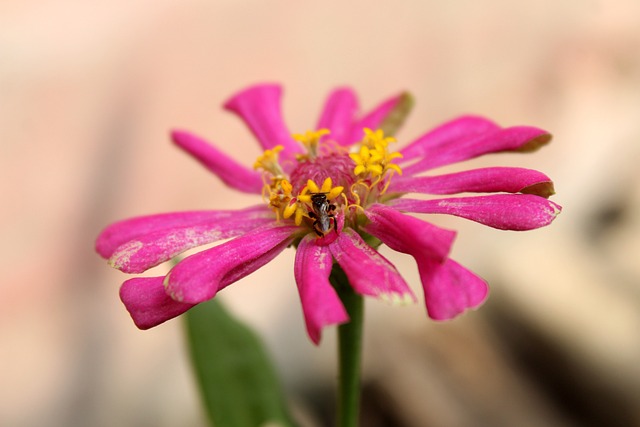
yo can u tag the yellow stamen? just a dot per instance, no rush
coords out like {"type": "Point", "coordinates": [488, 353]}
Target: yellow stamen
{"type": "Point", "coordinates": [376, 139]}
{"type": "Point", "coordinates": [373, 160]}
{"type": "Point", "coordinates": [304, 195]}
{"type": "Point", "coordinates": [269, 162]}
{"type": "Point", "coordinates": [394, 167]}
{"type": "Point", "coordinates": [313, 188]}
{"type": "Point", "coordinates": [286, 187]}
{"type": "Point", "coordinates": [374, 170]}
{"type": "Point", "coordinates": [290, 208]}
{"type": "Point", "coordinates": [280, 198]}
{"type": "Point", "coordinates": [334, 192]}
{"type": "Point", "coordinates": [299, 216]}
{"type": "Point", "coordinates": [310, 140]}
{"type": "Point", "coordinates": [326, 186]}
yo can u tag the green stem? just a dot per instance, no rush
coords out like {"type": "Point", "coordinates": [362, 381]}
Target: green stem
{"type": "Point", "coordinates": [349, 351]}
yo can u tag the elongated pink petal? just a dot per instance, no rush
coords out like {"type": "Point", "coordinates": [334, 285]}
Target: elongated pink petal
{"type": "Point", "coordinates": [339, 114]}
{"type": "Point", "coordinates": [374, 118]}
{"type": "Point", "coordinates": [503, 211]}
{"type": "Point", "coordinates": [450, 289]}
{"type": "Point", "coordinates": [259, 107]}
{"type": "Point", "coordinates": [200, 276]}
{"type": "Point", "coordinates": [448, 133]}
{"type": "Point", "coordinates": [320, 302]}
{"type": "Point", "coordinates": [174, 230]}
{"type": "Point", "coordinates": [121, 232]}
{"type": "Point", "coordinates": [227, 169]}
{"type": "Point", "coordinates": [517, 138]}
{"type": "Point", "coordinates": [156, 247]}
{"type": "Point", "coordinates": [404, 233]}
{"type": "Point", "coordinates": [485, 180]}
{"type": "Point", "coordinates": [148, 303]}
{"type": "Point", "coordinates": [369, 272]}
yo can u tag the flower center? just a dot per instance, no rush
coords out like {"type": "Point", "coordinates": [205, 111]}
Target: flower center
{"type": "Point", "coordinates": [337, 166]}
{"type": "Point", "coordinates": [328, 182]}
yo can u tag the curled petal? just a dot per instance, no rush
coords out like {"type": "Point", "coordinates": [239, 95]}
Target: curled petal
{"type": "Point", "coordinates": [338, 115]}
{"type": "Point", "coordinates": [227, 169]}
{"type": "Point", "coordinates": [369, 272]}
{"type": "Point", "coordinates": [320, 302]}
{"type": "Point", "coordinates": [450, 289]}
{"type": "Point", "coordinates": [259, 107]}
{"type": "Point", "coordinates": [503, 211]}
{"type": "Point", "coordinates": [148, 303]}
{"type": "Point", "coordinates": [137, 244]}
{"type": "Point", "coordinates": [448, 133]}
{"type": "Point", "coordinates": [404, 233]}
{"type": "Point", "coordinates": [485, 180]}
{"type": "Point", "coordinates": [517, 138]}
{"type": "Point", "coordinates": [199, 277]}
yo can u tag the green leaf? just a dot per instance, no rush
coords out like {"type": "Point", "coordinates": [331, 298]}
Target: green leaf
{"type": "Point", "coordinates": [238, 383]}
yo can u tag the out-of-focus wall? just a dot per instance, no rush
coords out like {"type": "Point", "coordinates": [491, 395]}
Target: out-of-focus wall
{"type": "Point", "coordinates": [88, 92]}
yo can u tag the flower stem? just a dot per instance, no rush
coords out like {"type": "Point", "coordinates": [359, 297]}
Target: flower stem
{"type": "Point", "coordinates": [349, 351]}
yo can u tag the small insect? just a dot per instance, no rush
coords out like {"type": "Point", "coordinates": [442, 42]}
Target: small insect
{"type": "Point", "coordinates": [323, 214]}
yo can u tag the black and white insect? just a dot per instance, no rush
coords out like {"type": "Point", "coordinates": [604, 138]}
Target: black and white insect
{"type": "Point", "coordinates": [323, 214]}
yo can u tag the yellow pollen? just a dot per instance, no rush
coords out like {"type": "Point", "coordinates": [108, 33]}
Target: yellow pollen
{"type": "Point", "coordinates": [313, 187]}
{"type": "Point", "coordinates": [291, 207]}
{"type": "Point", "coordinates": [376, 139]}
{"type": "Point", "coordinates": [269, 161]}
{"type": "Point", "coordinates": [280, 197]}
{"type": "Point", "coordinates": [314, 204]}
{"type": "Point", "coordinates": [373, 160]}
{"type": "Point", "coordinates": [310, 140]}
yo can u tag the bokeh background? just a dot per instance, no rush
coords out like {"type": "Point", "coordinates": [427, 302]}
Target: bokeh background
{"type": "Point", "coordinates": [89, 90]}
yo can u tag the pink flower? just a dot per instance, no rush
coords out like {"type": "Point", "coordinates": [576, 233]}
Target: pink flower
{"type": "Point", "coordinates": [335, 194]}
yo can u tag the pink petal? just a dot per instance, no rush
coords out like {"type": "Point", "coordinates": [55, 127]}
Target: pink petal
{"type": "Point", "coordinates": [137, 244]}
{"type": "Point", "coordinates": [126, 230]}
{"type": "Point", "coordinates": [368, 272]}
{"type": "Point", "coordinates": [228, 170]}
{"type": "Point", "coordinates": [503, 211]}
{"type": "Point", "coordinates": [148, 303]}
{"type": "Point", "coordinates": [450, 289]}
{"type": "Point", "coordinates": [320, 302]}
{"type": "Point", "coordinates": [518, 138]}
{"type": "Point", "coordinates": [199, 277]}
{"type": "Point", "coordinates": [404, 233]}
{"type": "Point", "coordinates": [485, 180]}
{"type": "Point", "coordinates": [259, 107]}
{"type": "Point", "coordinates": [373, 119]}
{"type": "Point", "coordinates": [339, 114]}
{"type": "Point", "coordinates": [448, 133]}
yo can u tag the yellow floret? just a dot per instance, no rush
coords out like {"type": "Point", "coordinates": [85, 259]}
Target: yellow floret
{"type": "Point", "coordinates": [312, 186]}
{"type": "Point", "coordinates": [376, 139]}
{"type": "Point", "coordinates": [310, 140]}
{"type": "Point", "coordinates": [326, 186]}
{"type": "Point", "coordinates": [334, 192]}
{"type": "Point", "coordinates": [269, 161]}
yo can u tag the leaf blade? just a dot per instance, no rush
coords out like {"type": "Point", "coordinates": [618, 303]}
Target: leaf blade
{"type": "Point", "coordinates": [238, 382]}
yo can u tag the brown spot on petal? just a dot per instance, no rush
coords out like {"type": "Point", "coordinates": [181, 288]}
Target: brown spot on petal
{"type": "Point", "coordinates": [542, 189]}
{"type": "Point", "coordinates": [535, 143]}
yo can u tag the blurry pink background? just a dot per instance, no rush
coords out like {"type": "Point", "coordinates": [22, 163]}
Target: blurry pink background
{"type": "Point", "coordinates": [89, 91]}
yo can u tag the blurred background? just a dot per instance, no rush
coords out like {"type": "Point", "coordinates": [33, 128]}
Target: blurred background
{"type": "Point", "coordinates": [89, 91]}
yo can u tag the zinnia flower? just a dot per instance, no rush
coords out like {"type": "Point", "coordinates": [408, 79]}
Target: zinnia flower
{"type": "Point", "coordinates": [335, 193]}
